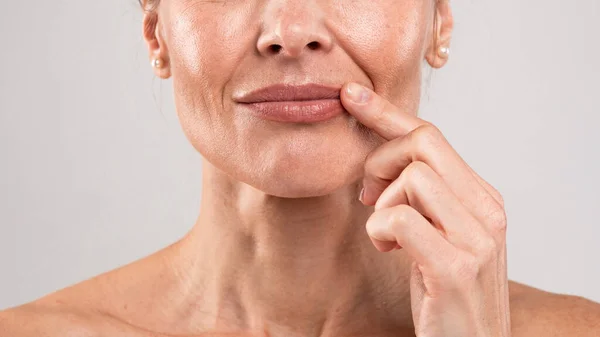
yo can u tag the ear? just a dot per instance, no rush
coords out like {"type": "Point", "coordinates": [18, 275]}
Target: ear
{"type": "Point", "coordinates": [157, 47]}
{"type": "Point", "coordinates": [441, 34]}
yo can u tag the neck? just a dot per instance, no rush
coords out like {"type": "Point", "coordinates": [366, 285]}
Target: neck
{"type": "Point", "coordinates": [283, 266]}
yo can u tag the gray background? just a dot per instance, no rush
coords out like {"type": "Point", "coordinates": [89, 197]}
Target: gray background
{"type": "Point", "coordinates": [95, 171]}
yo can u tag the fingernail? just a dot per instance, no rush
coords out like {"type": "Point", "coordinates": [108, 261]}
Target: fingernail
{"type": "Point", "coordinates": [362, 194]}
{"type": "Point", "coordinates": [357, 93]}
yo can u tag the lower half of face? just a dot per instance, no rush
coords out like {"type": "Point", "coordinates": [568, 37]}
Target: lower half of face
{"type": "Point", "coordinates": [218, 52]}
{"type": "Point", "coordinates": [285, 159]}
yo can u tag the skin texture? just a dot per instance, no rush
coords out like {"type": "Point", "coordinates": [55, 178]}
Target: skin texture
{"type": "Point", "coordinates": [282, 246]}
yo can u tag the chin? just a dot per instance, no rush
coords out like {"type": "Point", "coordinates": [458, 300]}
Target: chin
{"type": "Point", "coordinates": [289, 160]}
{"type": "Point", "coordinates": [305, 184]}
{"type": "Point", "coordinates": [311, 172]}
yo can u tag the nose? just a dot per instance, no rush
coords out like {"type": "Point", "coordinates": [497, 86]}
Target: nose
{"type": "Point", "coordinates": [293, 28]}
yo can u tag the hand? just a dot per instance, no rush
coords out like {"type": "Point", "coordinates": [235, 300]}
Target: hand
{"type": "Point", "coordinates": [452, 223]}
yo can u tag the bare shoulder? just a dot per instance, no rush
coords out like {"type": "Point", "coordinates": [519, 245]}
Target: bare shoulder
{"type": "Point", "coordinates": [40, 319]}
{"type": "Point", "coordinates": [536, 312]}
{"type": "Point", "coordinates": [86, 309]}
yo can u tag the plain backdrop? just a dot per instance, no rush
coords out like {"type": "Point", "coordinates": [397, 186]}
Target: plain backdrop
{"type": "Point", "coordinates": [95, 171]}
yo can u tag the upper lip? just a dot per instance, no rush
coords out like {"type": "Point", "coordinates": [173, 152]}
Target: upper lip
{"type": "Point", "coordinates": [288, 92]}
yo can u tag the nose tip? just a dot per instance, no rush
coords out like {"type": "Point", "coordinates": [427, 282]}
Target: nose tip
{"type": "Point", "coordinates": [293, 41]}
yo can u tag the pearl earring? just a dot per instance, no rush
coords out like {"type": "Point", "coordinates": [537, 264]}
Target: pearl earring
{"type": "Point", "coordinates": [445, 51]}
{"type": "Point", "coordinates": [157, 63]}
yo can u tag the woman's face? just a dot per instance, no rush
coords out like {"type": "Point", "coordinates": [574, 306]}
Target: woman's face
{"type": "Point", "coordinates": [216, 51]}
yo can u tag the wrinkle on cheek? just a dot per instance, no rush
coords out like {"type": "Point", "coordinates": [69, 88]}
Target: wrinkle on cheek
{"type": "Point", "coordinates": [188, 67]}
{"type": "Point", "coordinates": [206, 44]}
{"type": "Point", "coordinates": [235, 40]}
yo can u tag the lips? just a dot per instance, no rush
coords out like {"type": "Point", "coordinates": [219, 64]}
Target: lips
{"type": "Point", "coordinates": [286, 93]}
{"type": "Point", "coordinates": [307, 103]}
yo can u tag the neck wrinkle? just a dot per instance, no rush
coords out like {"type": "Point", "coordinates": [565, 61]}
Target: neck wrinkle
{"type": "Point", "coordinates": [291, 267]}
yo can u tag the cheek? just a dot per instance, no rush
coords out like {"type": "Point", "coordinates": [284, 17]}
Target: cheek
{"type": "Point", "coordinates": [206, 43]}
{"type": "Point", "coordinates": [386, 39]}
{"type": "Point", "coordinates": [204, 38]}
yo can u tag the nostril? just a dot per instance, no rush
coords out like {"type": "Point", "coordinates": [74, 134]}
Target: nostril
{"type": "Point", "coordinates": [313, 45]}
{"type": "Point", "coordinates": [275, 48]}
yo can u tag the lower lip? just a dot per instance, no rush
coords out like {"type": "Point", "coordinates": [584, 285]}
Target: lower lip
{"type": "Point", "coordinates": [297, 111]}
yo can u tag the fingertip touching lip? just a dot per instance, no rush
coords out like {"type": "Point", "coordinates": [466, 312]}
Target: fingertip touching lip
{"type": "Point", "coordinates": [289, 93]}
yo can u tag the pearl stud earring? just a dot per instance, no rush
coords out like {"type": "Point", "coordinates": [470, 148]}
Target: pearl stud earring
{"type": "Point", "coordinates": [445, 51]}
{"type": "Point", "coordinates": [157, 63]}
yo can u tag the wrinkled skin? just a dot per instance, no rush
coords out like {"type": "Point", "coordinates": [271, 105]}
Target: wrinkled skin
{"type": "Point", "coordinates": [282, 246]}
{"type": "Point", "coordinates": [215, 49]}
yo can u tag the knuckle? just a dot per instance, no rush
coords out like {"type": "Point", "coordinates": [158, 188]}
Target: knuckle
{"type": "Point", "coordinates": [372, 228]}
{"type": "Point", "coordinates": [428, 137]}
{"type": "Point", "coordinates": [388, 222]}
{"type": "Point", "coordinates": [377, 226]}
{"type": "Point", "coordinates": [397, 218]}
{"type": "Point", "coordinates": [496, 220]}
{"type": "Point", "coordinates": [415, 175]}
{"type": "Point", "coordinates": [415, 170]}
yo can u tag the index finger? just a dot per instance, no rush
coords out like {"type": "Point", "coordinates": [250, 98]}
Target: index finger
{"type": "Point", "coordinates": [377, 113]}
{"type": "Point", "coordinates": [387, 120]}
